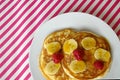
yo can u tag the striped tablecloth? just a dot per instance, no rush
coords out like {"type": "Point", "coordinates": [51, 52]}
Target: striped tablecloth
{"type": "Point", "coordinates": [20, 18]}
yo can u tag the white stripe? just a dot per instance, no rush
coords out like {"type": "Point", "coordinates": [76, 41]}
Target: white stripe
{"type": "Point", "coordinates": [44, 12]}
{"type": "Point", "coordinates": [100, 7]}
{"type": "Point", "coordinates": [30, 36]}
{"type": "Point", "coordinates": [69, 3]}
{"type": "Point", "coordinates": [106, 9]}
{"type": "Point", "coordinates": [16, 52]}
{"type": "Point", "coordinates": [15, 26]}
{"type": "Point", "coordinates": [26, 32]}
{"type": "Point", "coordinates": [117, 28]}
{"type": "Point", "coordinates": [56, 8]}
{"type": "Point", "coordinates": [15, 16]}
{"type": "Point", "coordinates": [15, 65]}
{"type": "Point", "coordinates": [4, 3]}
{"type": "Point", "coordinates": [8, 16]}
{"type": "Point", "coordinates": [39, 18]}
{"type": "Point", "coordinates": [66, 7]}
{"type": "Point", "coordinates": [2, 78]}
{"type": "Point", "coordinates": [84, 5]}
{"type": "Point", "coordinates": [13, 10]}
{"type": "Point", "coordinates": [16, 43]}
{"type": "Point", "coordinates": [7, 8]}
{"type": "Point", "coordinates": [76, 5]}
{"type": "Point", "coordinates": [31, 78]}
{"type": "Point", "coordinates": [21, 67]}
{"type": "Point", "coordinates": [115, 20]}
{"type": "Point", "coordinates": [63, 9]}
{"type": "Point", "coordinates": [19, 31]}
{"type": "Point", "coordinates": [50, 14]}
{"type": "Point", "coordinates": [92, 6]}
{"type": "Point", "coordinates": [26, 72]}
{"type": "Point", "coordinates": [112, 13]}
{"type": "Point", "coordinates": [48, 8]}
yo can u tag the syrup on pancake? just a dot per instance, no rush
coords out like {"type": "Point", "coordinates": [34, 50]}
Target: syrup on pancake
{"type": "Point", "coordinates": [71, 55]}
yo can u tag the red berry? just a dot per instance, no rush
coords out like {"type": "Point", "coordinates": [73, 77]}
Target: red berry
{"type": "Point", "coordinates": [78, 54]}
{"type": "Point", "coordinates": [99, 64]}
{"type": "Point", "coordinates": [57, 57]}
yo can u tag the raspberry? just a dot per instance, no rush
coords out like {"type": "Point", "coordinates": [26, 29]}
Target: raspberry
{"type": "Point", "coordinates": [99, 64]}
{"type": "Point", "coordinates": [78, 54]}
{"type": "Point", "coordinates": [57, 57]}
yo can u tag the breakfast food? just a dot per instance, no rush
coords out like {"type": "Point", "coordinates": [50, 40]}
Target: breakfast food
{"type": "Point", "coordinates": [74, 55]}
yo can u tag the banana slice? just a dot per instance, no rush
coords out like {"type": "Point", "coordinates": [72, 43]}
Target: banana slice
{"type": "Point", "coordinates": [69, 46]}
{"type": "Point", "coordinates": [102, 54]}
{"type": "Point", "coordinates": [77, 66]}
{"type": "Point", "coordinates": [88, 43]}
{"type": "Point", "coordinates": [52, 68]}
{"type": "Point", "coordinates": [53, 47]}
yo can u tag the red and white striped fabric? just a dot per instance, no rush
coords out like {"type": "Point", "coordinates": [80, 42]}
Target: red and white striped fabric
{"type": "Point", "coordinates": [20, 18]}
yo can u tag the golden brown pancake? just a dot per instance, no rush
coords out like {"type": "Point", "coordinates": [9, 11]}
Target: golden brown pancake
{"type": "Point", "coordinates": [45, 58]}
{"type": "Point", "coordinates": [89, 58]}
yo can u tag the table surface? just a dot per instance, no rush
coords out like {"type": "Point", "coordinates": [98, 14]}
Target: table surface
{"type": "Point", "coordinates": [20, 18]}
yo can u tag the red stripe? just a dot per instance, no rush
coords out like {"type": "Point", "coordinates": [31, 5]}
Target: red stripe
{"type": "Point", "coordinates": [103, 8]}
{"type": "Point", "coordinates": [118, 33]}
{"type": "Point", "coordinates": [10, 27]}
{"type": "Point", "coordinates": [113, 17]}
{"type": "Point", "coordinates": [110, 10]}
{"type": "Point", "coordinates": [80, 5]}
{"type": "Point", "coordinates": [17, 67]}
{"type": "Point", "coordinates": [27, 77]}
{"type": "Point", "coordinates": [31, 30]}
{"type": "Point", "coordinates": [35, 27]}
{"type": "Point", "coordinates": [5, 6]}
{"type": "Point", "coordinates": [70, 7]}
{"type": "Point", "coordinates": [27, 36]}
{"type": "Point", "coordinates": [116, 24]}
{"type": "Point", "coordinates": [22, 72]}
{"type": "Point", "coordinates": [9, 10]}
{"type": "Point", "coordinates": [43, 18]}
{"type": "Point", "coordinates": [52, 8]}
{"type": "Point", "coordinates": [19, 26]}
{"type": "Point", "coordinates": [96, 6]}
{"type": "Point", "coordinates": [14, 60]}
{"type": "Point", "coordinates": [13, 15]}
{"type": "Point", "coordinates": [62, 6]}
{"type": "Point", "coordinates": [1, 2]}
{"type": "Point", "coordinates": [87, 7]}
{"type": "Point", "coordinates": [27, 26]}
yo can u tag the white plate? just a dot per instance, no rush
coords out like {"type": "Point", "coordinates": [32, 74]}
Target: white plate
{"type": "Point", "coordinates": [79, 21]}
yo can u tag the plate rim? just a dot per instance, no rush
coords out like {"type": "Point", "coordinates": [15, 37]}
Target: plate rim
{"type": "Point", "coordinates": [53, 31]}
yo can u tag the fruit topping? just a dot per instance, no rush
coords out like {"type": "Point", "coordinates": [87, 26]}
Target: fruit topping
{"type": "Point", "coordinates": [57, 57]}
{"type": "Point", "coordinates": [51, 68]}
{"type": "Point", "coordinates": [77, 66]}
{"type": "Point", "coordinates": [99, 64]}
{"type": "Point", "coordinates": [78, 54]}
{"type": "Point", "coordinates": [69, 46]}
{"type": "Point", "coordinates": [88, 43]}
{"type": "Point", "coordinates": [102, 54]}
{"type": "Point", "coordinates": [53, 47]}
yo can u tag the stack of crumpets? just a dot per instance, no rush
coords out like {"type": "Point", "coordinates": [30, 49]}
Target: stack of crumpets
{"type": "Point", "coordinates": [71, 55]}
